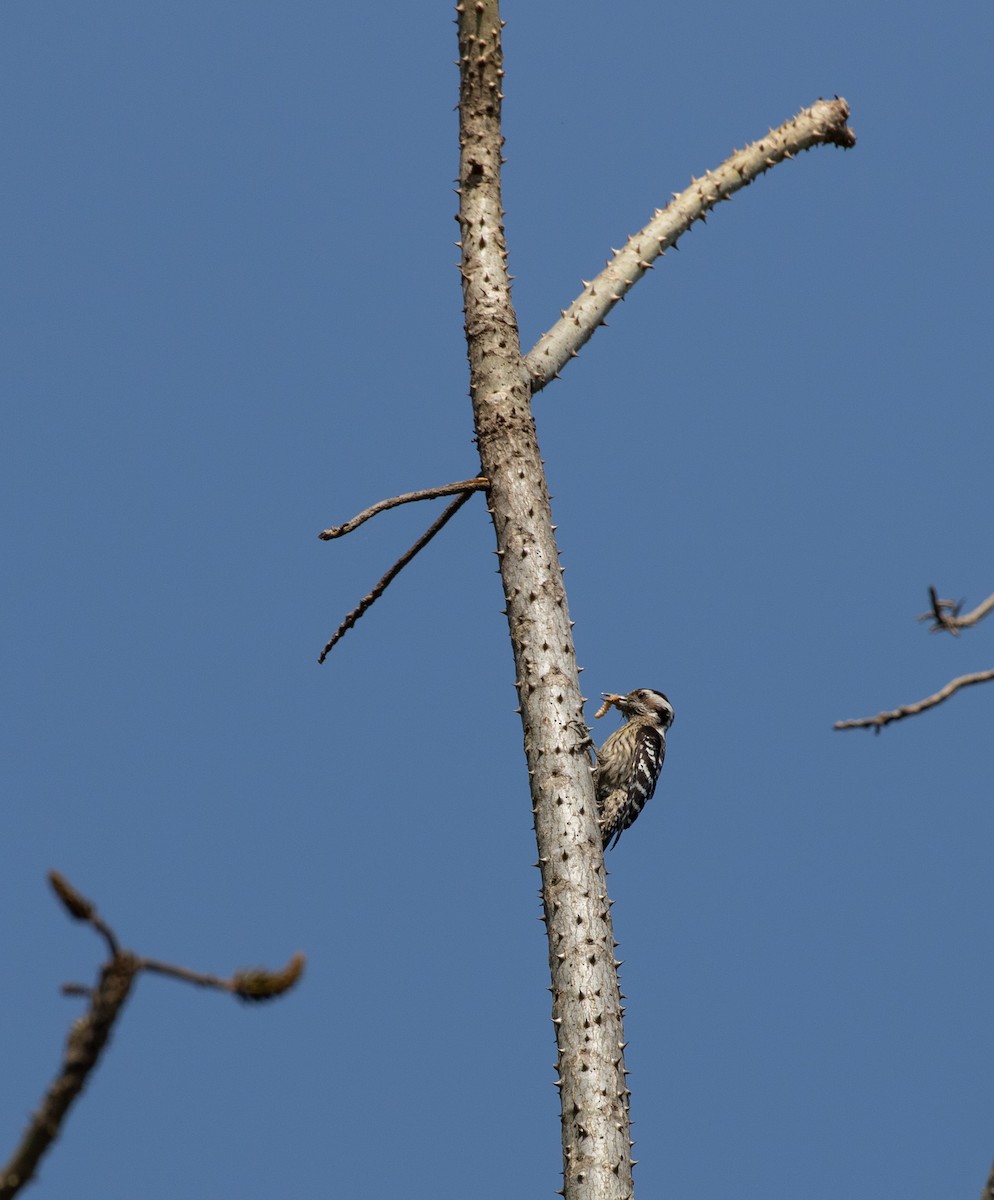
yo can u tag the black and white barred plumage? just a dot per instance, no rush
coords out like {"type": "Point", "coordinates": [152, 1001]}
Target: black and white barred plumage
{"type": "Point", "coordinates": [629, 762]}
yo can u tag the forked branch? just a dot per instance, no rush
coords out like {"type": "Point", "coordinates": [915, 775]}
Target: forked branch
{"type": "Point", "coordinates": [910, 710]}
{"type": "Point", "coordinates": [945, 614]}
{"type": "Point", "coordinates": [370, 599]}
{"type": "Point", "coordinates": [90, 1033]}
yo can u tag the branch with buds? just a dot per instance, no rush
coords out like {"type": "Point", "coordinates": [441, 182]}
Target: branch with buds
{"type": "Point", "coordinates": [90, 1033]}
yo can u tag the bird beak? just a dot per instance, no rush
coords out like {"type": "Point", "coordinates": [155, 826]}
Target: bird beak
{"type": "Point", "coordinates": [610, 698]}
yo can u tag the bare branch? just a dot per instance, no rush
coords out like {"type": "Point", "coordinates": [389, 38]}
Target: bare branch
{"type": "Point", "coordinates": [821, 124]}
{"type": "Point", "coordinates": [90, 1033]}
{"type": "Point", "coordinates": [944, 614]}
{"type": "Point", "coordinates": [448, 489]}
{"type": "Point", "coordinates": [256, 984]}
{"type": "Point", "coordinates": [910, 710]}
{"type": "Point", "coordinates": [81, 909]}
{"type": "Point", "coordinates": [370, 599]}
{"type": "Point", "coordinates": [88, 1036]}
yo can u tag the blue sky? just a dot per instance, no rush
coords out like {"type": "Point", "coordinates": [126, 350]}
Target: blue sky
{"type": "Point", "coordinates": [231, 319]}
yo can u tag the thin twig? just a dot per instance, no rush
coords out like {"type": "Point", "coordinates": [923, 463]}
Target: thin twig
{"type": "Point", "coordinates": [448, 489]}
{"type": "Point", "coordinates": [823, 123]}
{"type": "Point", "coordinates": [188, 976]}
{"type": "Point", "coordinates": [81, 909]}
{"type": "Point", "coordinates": [257, 984]}
{"type": "Point", "coordinates": [394, 571]}
{"type": "Point", "coordinates": [909, 710]}
{"type": "Point", "coordinates": [945, 614]}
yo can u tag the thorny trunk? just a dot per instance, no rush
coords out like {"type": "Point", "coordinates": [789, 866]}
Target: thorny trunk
{"type": "Point", "coordinates": [586, 1003]}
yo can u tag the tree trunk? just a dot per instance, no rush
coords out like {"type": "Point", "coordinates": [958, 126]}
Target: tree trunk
{"type": "Point", "coordinates": [586, 1003]}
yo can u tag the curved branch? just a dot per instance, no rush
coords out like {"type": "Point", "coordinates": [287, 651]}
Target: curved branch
{"type": "Point", "coordinates": [944, 614]}
{"type": "Point", "coordinates": [447, 489]}
{"type": "Point", "coordinates": [823, 123]}
{"type": "Point", "coordinates": [910, 710]}
{"type": "Point", "coordinates": [370, 599]}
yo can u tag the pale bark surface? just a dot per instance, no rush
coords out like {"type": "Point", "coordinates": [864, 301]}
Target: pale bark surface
{"type": "Point", "coordinates": [822, 124]}
{"type": "Point", "coordinates": [586, 1002]}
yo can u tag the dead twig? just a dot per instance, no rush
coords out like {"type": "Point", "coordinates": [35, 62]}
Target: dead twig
{"type": "Point", "coordinates": [90, 1033]}
{"type": "Point", "coordinates": [909, 710]}
{"type": "Point", "coordinates": [945, 614]}
{"type": "Point", "coordinates": [448, 489]}
{"type": "Point", "coordinates": [367, 601]}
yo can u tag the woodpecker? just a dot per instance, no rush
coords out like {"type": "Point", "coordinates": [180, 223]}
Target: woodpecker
{"type": "Point", "coordinates": [629, 762]}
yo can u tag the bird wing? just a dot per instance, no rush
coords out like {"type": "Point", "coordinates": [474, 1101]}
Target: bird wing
{"type": "Point", "coordinates": [647, 762]}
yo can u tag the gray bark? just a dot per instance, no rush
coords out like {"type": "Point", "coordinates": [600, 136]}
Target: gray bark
{"type": "Point", "coordinates": [586, 1000]}
{"type": "Point", "coordinates": [586, 1003]}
